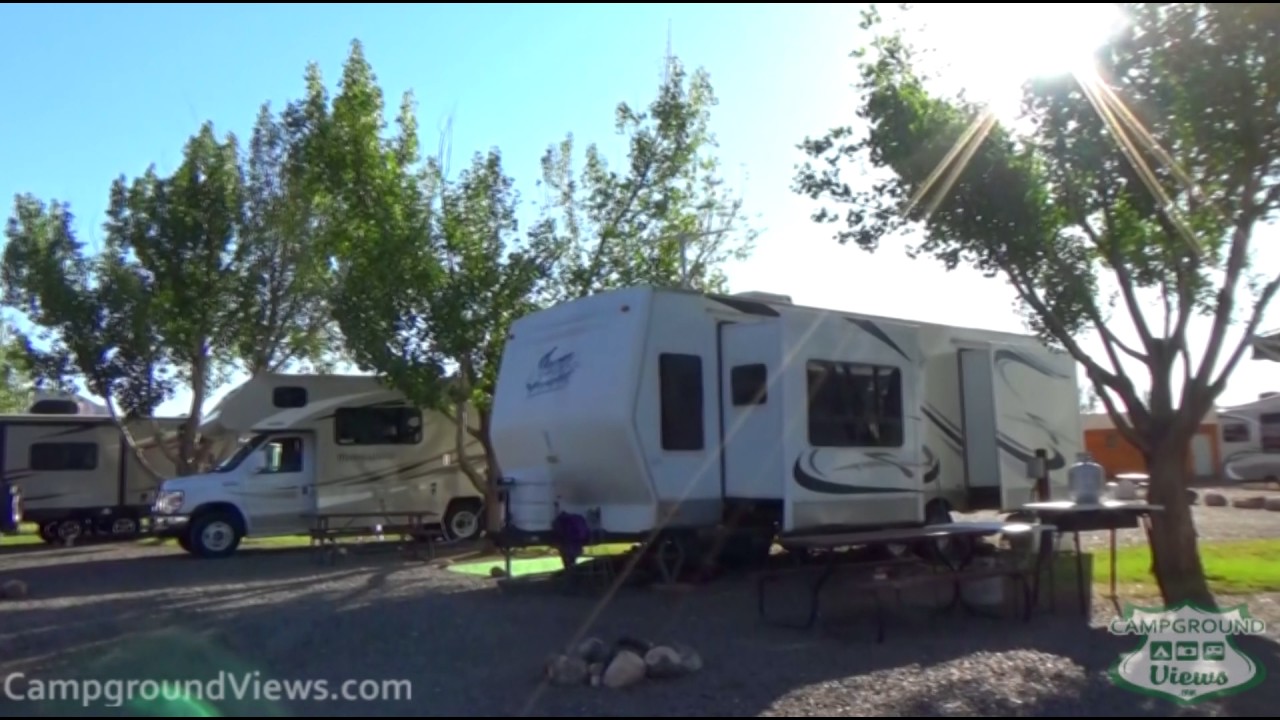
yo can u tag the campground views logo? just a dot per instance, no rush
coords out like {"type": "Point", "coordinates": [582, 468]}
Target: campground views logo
{"type": "Point", "coordinates": [1187, 654]}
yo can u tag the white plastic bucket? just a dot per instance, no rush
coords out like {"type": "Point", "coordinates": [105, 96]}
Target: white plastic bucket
{"type": "Point", "coordinates": [531, 503]}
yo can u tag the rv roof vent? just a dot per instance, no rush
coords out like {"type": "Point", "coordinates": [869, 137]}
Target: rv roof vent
{"type": "Point", "coordinates": [764, 297]}
{"type": "Point", "coordinates": [1265, 395]}
{"type": "Point", "coordinates": [55, 406]}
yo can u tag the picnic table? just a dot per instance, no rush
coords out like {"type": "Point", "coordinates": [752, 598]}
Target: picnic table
{"type": "Point", "coordinates": [414, 528]}
{"type": "Point", "coordinates": [1110, 515]}
{"type": "Point", "coordinates": [952, 571]}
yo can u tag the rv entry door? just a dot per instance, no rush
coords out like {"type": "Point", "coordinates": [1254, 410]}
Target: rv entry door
{"type": "Point", "coordinates": [282, 490]}
{"type": "Point", "coordinates": [751, 410]}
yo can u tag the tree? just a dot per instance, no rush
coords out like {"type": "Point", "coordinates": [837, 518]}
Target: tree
{"type": "Point", "coordinates": [283, 272]}
{"type": "Point", "coordinates": [430, 271]}
{"type": "Point", "coordinates": [616, 229]}
{"type": "Point", "coordinates": [15, 379]}
{"type": "Point", "coordinates": [90, 312]}
{"type": "Point", "coordinates": [1099, 189]}
{"type": "Point", "coordinates": [200, 270]}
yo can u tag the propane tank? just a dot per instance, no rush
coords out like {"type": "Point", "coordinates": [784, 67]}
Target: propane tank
{"type": "Point", "coordinates": [1085, 480]}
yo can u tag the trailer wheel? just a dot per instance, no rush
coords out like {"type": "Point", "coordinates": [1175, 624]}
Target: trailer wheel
{"type": "Point", "coordinates": [214, 534]}
{"type": "Point", "coordinates": [462, 520]}
{"type": "Point", "coordinates": [69, 531]}
{"type": "Point", "coordinates": [49, 532]}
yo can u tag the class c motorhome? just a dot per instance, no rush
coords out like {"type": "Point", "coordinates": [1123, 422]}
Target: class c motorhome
{"type": "Point", "coordinates": [75, 472]}
{"type": "Point", "coordinates": [647, 408]}
{"type": "Point", "coordinates": [1250, 440]}
{"type": "Point", "coordinates": [319, 445]}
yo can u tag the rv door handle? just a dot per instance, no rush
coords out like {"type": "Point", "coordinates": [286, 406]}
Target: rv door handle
{"type": "Point", "coordinates": [305, 489]}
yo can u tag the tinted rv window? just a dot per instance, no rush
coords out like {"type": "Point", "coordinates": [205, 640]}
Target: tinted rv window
{"type": "Point", "coordinates": [289, 397]}
{"type": "Point", "coordinates": [59, 457]}
{"type": "Point", "coordinates": [1235, 432]}
{"type": "Point", "coordinates": [680, 380]}
{"type": "Point", "coordinates": [1269, 429]}
{"type": "Point", "coordinates": [377, 426]}
{"type": "Point", "coordinates": [854, 405]}
{"type": "Point", "coordinates": [749, 384]}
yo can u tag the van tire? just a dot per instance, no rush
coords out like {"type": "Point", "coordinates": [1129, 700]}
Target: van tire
{"type": "Point", "coordinates": [214, 534]}
{"type": "Point", "coordinates": [463, 520]}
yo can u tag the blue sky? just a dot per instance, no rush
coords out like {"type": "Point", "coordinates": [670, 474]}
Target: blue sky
{"type": "Point", "coordinates": [94, 91]}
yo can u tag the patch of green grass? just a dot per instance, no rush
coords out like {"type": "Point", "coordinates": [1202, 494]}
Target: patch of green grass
{"type": "Point", "coordinates": [1233, 568]}
{"type": "Point", "coordinates": [27, 535]}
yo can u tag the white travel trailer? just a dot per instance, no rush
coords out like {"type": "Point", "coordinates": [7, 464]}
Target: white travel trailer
{"type": "Point", "coordinates": [77, 474]}
{"type": "Point", "coordinates": [319, 445]}
{"type": "Point", "coordinates": [1250, 439]}
{"type": "Point", "coordinates": [646, 408]}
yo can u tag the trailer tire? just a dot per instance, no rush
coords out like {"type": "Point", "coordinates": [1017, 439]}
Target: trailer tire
{"type": "Point", "coordinates": [184, 542]}
{"type": "Point", "coordinates": [214, 534]}
{"type": "Point", "coordinates": [463, 520]}
{"type": "Point", "coordinates": [49, 532]}
{"type": "Point", "coordinates": [69, 531]}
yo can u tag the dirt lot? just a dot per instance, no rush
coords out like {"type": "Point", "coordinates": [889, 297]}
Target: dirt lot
{"type": "Point", "coordinates": [470, 650]}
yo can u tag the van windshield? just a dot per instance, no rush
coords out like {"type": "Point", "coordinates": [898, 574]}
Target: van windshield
{"type": "Point", "coordinates": [245, 450]}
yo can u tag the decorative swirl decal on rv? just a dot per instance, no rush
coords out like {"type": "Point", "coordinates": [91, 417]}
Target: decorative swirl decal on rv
{"type": "Point", "coordinates": [809, 478]}
{"type": "Point", "coordinates": [1003, 357]}
{"type": "Point", "coordinates": [552, 373]}
{"type": "Point", "coordinates": [878, 333]}
{"type": "Point", "coordinates": [1017, 450]}
{"type": "Point", "coordinates": [933, 467]}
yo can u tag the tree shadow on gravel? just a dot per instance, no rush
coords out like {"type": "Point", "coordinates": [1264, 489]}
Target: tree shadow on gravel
{"type": "Point", "coordinates": [417, 641]}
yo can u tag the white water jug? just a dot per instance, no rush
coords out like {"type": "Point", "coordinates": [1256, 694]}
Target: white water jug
{"type": "Point", "coordinates": [1085, 480]}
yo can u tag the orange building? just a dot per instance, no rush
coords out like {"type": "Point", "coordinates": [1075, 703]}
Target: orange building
{"type": "Point", "coordinates": [1117, 455]}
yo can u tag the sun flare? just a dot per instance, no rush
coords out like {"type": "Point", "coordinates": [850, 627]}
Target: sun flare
{"type": "Point", "coordinates": [991, 49]}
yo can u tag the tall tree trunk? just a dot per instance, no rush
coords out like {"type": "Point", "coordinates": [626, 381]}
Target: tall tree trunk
{"type": "Point", "coordinates": [1175, 550]}
{"type": "Point", "coordinates": [485, 483]}
{"type": "Point", "coordinates": [188, 463]}
{"type": "Point", "coordinates": [492, 504]}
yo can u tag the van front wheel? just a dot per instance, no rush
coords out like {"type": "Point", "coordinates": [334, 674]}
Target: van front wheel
{"type": "Point", "coordinates": [214, 534]}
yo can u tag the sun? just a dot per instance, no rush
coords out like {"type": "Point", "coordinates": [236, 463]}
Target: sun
{"type": "Point", "coordinates": [990, 49]}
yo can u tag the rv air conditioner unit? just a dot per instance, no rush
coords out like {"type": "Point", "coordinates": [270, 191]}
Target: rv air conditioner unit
{"type": "Point", "coordinates": [765, 297]}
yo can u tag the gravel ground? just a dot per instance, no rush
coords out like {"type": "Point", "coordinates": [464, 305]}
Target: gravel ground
{"type": "Point", "coordinates": [1212, 523]}
{"type": "Point", "coordinates": [470, 650]}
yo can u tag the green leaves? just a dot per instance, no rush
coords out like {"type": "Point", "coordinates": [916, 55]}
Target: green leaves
{"type": "Point", "coordinates": [614, 229]}
{"type": "Point", "coordinates": [1147, 178]}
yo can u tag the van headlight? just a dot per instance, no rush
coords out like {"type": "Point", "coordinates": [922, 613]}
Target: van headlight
{"type": "Point", "coordinates": [168, 502]}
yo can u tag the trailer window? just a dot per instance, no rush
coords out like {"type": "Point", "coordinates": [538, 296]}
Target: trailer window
{"type": "Point", "coordinates": [61, 457]}
{"type": "Point", "coordinates": [1269, 429]}
{"type": "Point", "coordinates": [749, 384]}
{"type": "Point", "coordinates": [289, 397]}
{"type": "Point", "coordinates": [680, 381]}
{"type": "Point", "coordinates": [854, 405]}
{"type": "Point", "coordinates": [377, 426]}
{"type": "Point", "coordinates": [1235, 433]}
